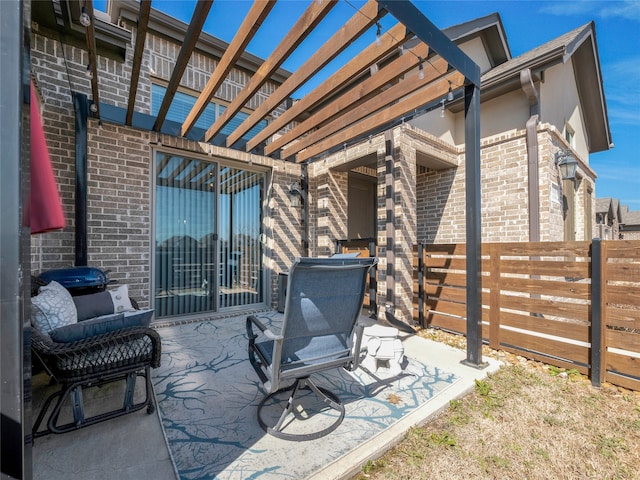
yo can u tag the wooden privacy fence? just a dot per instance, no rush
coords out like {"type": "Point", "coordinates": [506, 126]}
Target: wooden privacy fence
{"type": "Point", "coordinates": [574, 305]}
{"type": "Point", "coordinates": [366, 247]}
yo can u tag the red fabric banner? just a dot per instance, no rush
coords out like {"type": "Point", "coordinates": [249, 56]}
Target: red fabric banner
{"type": "Point", "coordinates": [45, 209]}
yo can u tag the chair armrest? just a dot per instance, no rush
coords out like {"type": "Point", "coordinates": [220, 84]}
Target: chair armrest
{"type": "Point", "coordinates": [253, 320]}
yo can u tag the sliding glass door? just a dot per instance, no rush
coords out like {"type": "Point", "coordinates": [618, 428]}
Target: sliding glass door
{"type": "Point", "coordinates": [208, 254]}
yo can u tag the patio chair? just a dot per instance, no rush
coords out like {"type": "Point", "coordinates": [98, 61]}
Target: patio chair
{"type": "Point", "coordinates": [92, 353]}
{"type": "Point", "coordinates": [318, 331]}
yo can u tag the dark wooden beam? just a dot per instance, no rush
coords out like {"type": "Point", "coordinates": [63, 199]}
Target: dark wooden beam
{"type": "Point", "coordinates": [362, 20]}
{"type": "Point", "coordinates": [136, 62]}
{"type": "Point", "coordinates": [252, 22]}
{"type": "Point", "coordinates": [191, 38]}
{"type": "Point", "coordinates": [303, 27]}
{"type": "Point", "coordinates": [345, 75]}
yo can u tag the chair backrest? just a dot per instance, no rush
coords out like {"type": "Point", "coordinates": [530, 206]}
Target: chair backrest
{"type": "Point", "coordinates": [323, 303]}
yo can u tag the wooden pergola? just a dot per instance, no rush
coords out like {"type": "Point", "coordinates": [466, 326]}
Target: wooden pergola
{"type": "Point", "coordinates": [373, 91]}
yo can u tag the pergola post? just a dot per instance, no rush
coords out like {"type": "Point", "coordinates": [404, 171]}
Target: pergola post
{"type": "Point", "coordinates": [416, 22]}
{"type": "Point", "coordinates": [15, 359]}
{"type": "Point", "coordinates": [473, 224]}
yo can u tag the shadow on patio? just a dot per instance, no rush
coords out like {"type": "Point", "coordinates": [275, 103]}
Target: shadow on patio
{"type": "Point", "coordinates": [206, 426]}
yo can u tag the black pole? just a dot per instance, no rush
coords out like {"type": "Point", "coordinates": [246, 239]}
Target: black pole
{"type": "Point", "coordinates": [473, 224]}
{"type": "Point", "coordinates": [81, 106]}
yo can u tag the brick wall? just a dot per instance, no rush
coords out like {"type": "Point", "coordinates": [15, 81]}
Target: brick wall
{"type": "Point", "coordinates": [160, 56]}
{"type": "Point", "coordinates": [552, 189]}
{"type": "Point", "coordinates": [119, 168]}
{"type": "Point", "coordinates": [504, 193]}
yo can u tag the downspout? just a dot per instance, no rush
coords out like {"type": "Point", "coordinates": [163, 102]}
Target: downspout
{"type": "Point", "coordinates": [526, 82]}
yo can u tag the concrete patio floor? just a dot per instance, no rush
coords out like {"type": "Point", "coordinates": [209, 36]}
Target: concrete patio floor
{"type": "Point", "coordinates": [134, 445]}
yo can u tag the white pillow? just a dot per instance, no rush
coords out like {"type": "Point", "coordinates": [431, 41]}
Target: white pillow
{"type": "Point", "coordinates": [53, 307]}
{"type": "Point", "coordinates": [121, 300]}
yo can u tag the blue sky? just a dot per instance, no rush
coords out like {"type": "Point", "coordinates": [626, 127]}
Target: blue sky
{"type": "Point", "coordinates": [528, 24]}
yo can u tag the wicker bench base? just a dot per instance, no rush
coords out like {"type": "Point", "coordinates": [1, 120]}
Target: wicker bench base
{"type": "Point", "coordinates": [74, 393]}
{"type": "Point", "coordinates": [121, 355]}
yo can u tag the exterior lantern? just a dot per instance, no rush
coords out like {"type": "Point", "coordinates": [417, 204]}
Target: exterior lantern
{"type": "Point", "coordinates": [296, 196]}
{"type": "Point", "coordinates": [567, 164]}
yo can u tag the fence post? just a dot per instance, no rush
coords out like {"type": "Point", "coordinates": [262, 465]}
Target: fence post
{"type": "Point", "coordinates": [597, 306]}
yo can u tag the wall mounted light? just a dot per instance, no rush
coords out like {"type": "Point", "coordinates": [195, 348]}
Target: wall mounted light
{"type": "Point", "coordinates": [296, 195]}
{"type": "Point", "coordinates": [567, 164]}
{"type": "Point", "coordinates": [442, 109]}
{"type": "Point", "coordinates": [85, 19]}
{"type": "Point", "coordinates": [89, 72]}
{"type": "Point", "coordinates": [420, 69]}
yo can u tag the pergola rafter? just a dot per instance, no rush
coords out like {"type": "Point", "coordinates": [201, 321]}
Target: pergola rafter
{"type": "Point", "coordinates": [383, 116]}
{"type": "Point", "coordinates": [141, 35]}
{"type": "Point", "coordinates": [346, 75]}
{"type": "Point", "coordinates": [191, 39]}
{"type": "Point", "coordinates": [252, 22]}
{"type": "Point", "coordinates": [303, 27]}
{"type": "Point", "coordinates": [391, 74]}
{"type": "Point", "coordinates": [356, 26]}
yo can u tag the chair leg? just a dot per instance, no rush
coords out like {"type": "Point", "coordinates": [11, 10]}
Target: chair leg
{"type": "Point", "coordinates": [325, 395]}
{"type": "Point", "coordinates": [129, 391]}
{"type": "Point", "coordinates": [77, 405]}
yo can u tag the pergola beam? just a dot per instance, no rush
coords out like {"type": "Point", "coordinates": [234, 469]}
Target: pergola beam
{"type": "Point", "coordinates": [356, 26]}
{"type": "Point", "coordinates": [252, 22]}
{"type": "Point", "coordinates": [407, 13]}
{"type": "Point", "coordinates": [191, 39]}
{"type": "Point", "coordinates": [303, 27]}
{"type": "Point", "coordinates": [141, 35]}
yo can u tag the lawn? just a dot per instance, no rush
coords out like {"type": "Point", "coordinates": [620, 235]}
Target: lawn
{"type": "Point", "coordinates": [527, 421]}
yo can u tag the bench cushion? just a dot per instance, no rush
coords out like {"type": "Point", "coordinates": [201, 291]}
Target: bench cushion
{"type": "Point", "coordinates": [101, 325]}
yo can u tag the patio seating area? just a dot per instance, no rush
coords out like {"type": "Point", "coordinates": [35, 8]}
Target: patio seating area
{"type": "Point", "coordinates": [187, 438]}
